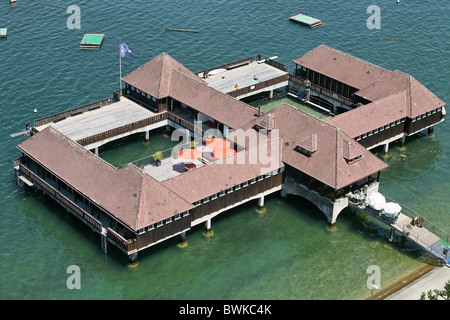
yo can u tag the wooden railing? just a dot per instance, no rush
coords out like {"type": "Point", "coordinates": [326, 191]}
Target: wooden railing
{"type": "Point", "coordinates": [128, 245]}
{"type": "Point", "coordinates": [259, 86]}
{"type": "Point", "coordinates": [321, 90]}
{"type": "Point", "coordinates": [229, 65]}
{"type": "Point", "coordinates": [123, 129]}
{"type": "Point", "coordinates": [60, 197]}
{"type": "Point", "coordinates": [72, 112]}
{"type": "Point", "coordinates": [276, 64]}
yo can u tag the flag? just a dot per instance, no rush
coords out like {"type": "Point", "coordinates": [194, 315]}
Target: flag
{"type": "Point", "coordinates": [124, 50]}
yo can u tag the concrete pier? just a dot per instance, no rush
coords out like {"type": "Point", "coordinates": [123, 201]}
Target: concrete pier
{"type": "Point", "coordinates": [261, 201]}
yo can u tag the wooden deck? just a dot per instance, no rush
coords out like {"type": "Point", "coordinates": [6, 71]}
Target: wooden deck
{"type": "Point", "coordinates": [101, 120]}
{"type": "Point", "coordinates": [243, 76]}
{"type": "Point", "coordinates": [422, 236]}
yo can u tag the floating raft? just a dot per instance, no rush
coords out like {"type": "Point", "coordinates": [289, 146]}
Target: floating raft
{"type": "Point", "coordinates": [92, 41]}
{"type": "Point", "coordinates": [3, 32]}
{"type": "Point", "coordinates": [306, 20]}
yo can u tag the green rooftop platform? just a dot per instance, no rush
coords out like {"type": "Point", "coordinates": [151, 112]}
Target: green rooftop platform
{"type": "Point", "coordinates": [306, 20]}
{"type": "Point", "coordinates": [3, 32]}
{"type": "Point", "coordinates": [92, 41]}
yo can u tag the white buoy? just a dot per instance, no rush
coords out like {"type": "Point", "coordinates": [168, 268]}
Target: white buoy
{"type": "Point", "coordinates": [35, 110]}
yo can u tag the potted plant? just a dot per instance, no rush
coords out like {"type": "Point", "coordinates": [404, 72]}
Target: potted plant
{"type": "Point", "coordinates": [157, 156]}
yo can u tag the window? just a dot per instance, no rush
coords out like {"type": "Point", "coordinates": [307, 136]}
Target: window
{"type": "Point", "coordinates": [229, 190]}
{"type": "Point", "coordinates": [222, 193]}
{"type": "Point", "coordinates": [206, 200]}
{"type": "Point", "coordinates": [186, 213]}
{"type": "Point", "coordinates": [260, 178]}
{"type": "Point", "coordinates": [214, 196]}
{"type": "Point", "coordinates": [169, 220]}
{"type": "Point", "coordinates": [197, 203]}
{"type": "Point", "coordinates": [151, 227]}
{"type": "Point", "coordinates": [177, 216]}
{"type": "Point", "coordinates": [141, 231]}
{"type": "Point", "coordinates": [375, 131]}
{"type": "Point", "coordinates": [245, 184]}
{"type": "Point", "coordinates": [358, 138]}
{"type": "Point", "coordinates": [159, 224]}
{"type": "Point", "coordinates": [253, 181]}
{"type": "Point", "coordinates": [237, 187]}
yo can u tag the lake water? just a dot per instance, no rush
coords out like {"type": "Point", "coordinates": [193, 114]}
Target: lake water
{"type": "Point", "coordinates": [288, 252]}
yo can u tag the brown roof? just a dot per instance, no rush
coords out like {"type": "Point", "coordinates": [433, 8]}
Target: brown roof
{"type": "Point", "coordinates": [341, 66]}
{"type": "Point", "coordinates": [154, 77]}
{"type": "Point", "coordinates": [219, 176]}
{"type": "Point", "coordinates": [163, 76]}
{"type": "Point", "coordinates": [329, 147]}
{"type": "Point", "coordinates": [373, 115]}
{"type": "Point", "coordinates": [127, 193]}
{"type": "Point", "coordinates": [220, 106]}
{"type": "Point", "coordinates": [419, 99]}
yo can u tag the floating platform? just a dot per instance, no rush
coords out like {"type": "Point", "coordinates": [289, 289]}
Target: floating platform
{"type": "Point", "coordinates": [3, 32]}
{"type": "Point", "coordinates": [92, 41]}
{"type": "Point", "coordinates": [306, 20]}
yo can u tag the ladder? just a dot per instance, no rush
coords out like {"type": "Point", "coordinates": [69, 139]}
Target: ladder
{"type": "Point", "coordinates": [104, 241]}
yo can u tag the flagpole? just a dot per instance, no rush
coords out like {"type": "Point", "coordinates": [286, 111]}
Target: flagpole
{"type": "Point", "coordinates": [120, 62]}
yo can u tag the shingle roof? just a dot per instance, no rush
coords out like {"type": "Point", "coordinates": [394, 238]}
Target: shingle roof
{"type": "Point", "coordinates": [220, 106]}
{"type": "Point", "coordinates": [127, 193]}
{"type": "Point", "coordinates": [163, 76]}
{"type": "Point", "coordinates": [154, 77]}
{"type": "Point", "coordinates": [329, 145]}
{"type": "Point", "coordinates": [341, 66]}
{"type": "Point", "coordinates": [373, 115]}
{"type": "Point", "coordinates": [219, 176]}
{"type": "Point", "coordinates": [418, 98]}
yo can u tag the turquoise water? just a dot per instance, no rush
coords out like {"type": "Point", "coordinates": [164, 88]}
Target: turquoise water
{"type": "Point", "coordinates": [289, 252]}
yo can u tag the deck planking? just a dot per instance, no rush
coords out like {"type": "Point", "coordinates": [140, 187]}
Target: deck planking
{"type": "Point", "coordinates": [101, 120]}
{"type": "Point", "coordinates": [243, 76]}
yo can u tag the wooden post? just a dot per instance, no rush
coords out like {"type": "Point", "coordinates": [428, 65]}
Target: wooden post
{"type": "Point", "coordinates": [391, 239]}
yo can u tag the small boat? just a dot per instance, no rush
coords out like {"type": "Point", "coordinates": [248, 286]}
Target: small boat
{"type": "Point", "coordinates": [13, 1]}
{"type": "Point", "coordinates": [216, 71]}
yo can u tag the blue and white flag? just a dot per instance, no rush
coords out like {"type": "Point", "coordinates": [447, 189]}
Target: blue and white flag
{"type": "Point", "coordinates": [124, 50]}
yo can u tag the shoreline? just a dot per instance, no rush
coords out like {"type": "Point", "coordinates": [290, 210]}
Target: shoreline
{"type": "Point", "coordinates": [409, 279]}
